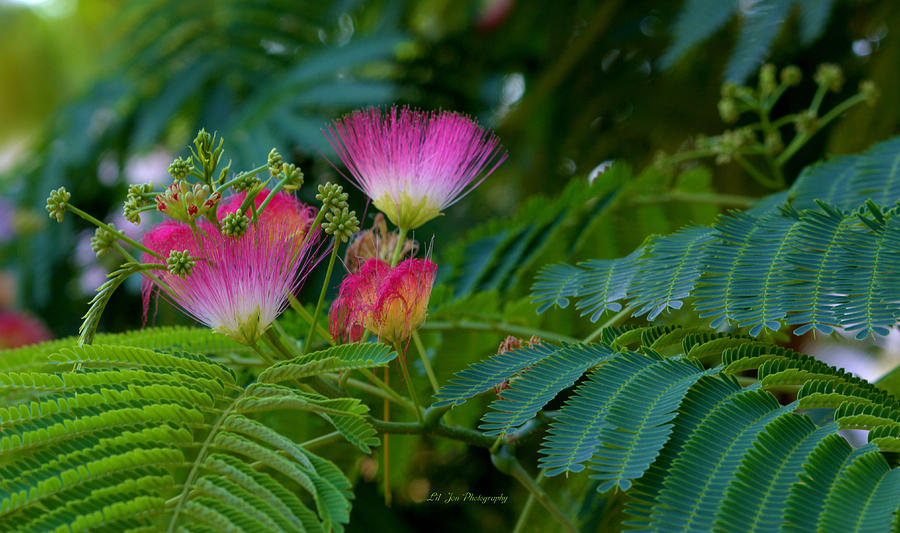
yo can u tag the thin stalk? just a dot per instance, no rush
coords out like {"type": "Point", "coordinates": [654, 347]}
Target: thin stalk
{"type": "Point", "coordinates": [274, 341]}
{"type": "Point", "coordinates": [240, 177]}
{"type": "Point", "coordinates": [278, 186]}
{"type": "Point", "coordinates": [417, 340]}
{"type": "Point", "coordinates": [315, 318]}
{"type": "Point", "coordinates": [410, 386]}
{"type": "Point", "coordinates": [756, 174]}
{"type": "Point", "coordinates": [262, 355]}
{"type": "Point", "coordinates": [529, 503]}
{"type": "Point", "coordinates": [110, 229]}
{"type": "Point", "coordinates": [401, 239]}
{"type": "Point", "coordinates": [800, 139]}
{"type": "Point", "coordinates": [502, 328]}
{"type": "Point", "coordinates": [321, 441]}
{"type": "Point", "coordinates": [387, 389]}
{"type": "Point", "coordinates": [386, 444]}
{"type": "Point", "coordinates": [469, 436]}
{"type": "Point", "coordinates": [365, 387]}
{"type": "Point", "coordinates": [541, 496]}
{"type": "Point", "coordinates": [611, 322]}
{"type": "Point", "coordinates": [307, 316]}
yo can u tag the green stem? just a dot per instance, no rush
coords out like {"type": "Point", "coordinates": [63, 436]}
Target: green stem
{"type": "Point", "coordinates": [262, 355]}
{"type": "Point", "coordinates": [315, 318]}
{"type": "Point", "coordinates": [540, 495]}
{"type": "Point", "coordinates": [321, 441]}
{"type": "Point", "coordinates": [754, 172]}
{"type": "Point", "coordinates": [417, 340]}
{"type": "Point", "coordinates": [110, 229]}
{"type": "Point", "coordinates": [387, 390]}
{"type": "Point", "coordinates": [411, 387]}
{"type": "Point", "coordinates": [307, 316]}
{"type": "Point", "coordinates": [800, 139]}
{"type": "Point", "coordinates": [502, 328]}
{"type": "Point", "coordinates": [469, 436]}
{"type": "Point", "coordinates": [240, 177]}
{"type": "Point", "coordinates": [401, 239]}
{"type": "Point", "coordinates": [529, 503]}
{"type": "Point", "coordinates": [624, 313]}
{"type": "Point", "coordinates": [376, 391]}
{"type": "Point", "coordinates": [278, 186]}
{"type": "Point", "coordinates": [271, 338]}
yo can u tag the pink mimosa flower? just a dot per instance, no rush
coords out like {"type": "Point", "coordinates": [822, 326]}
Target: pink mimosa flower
{"type": "Point", "coordinates": [238, 286]}
{"type": "Point", "coordinates": [414, 164]}
{"type": "Point", "coordinates": [390, 302]}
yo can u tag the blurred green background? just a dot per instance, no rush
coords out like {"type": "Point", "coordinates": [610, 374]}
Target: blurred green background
{"type": "Point", "coordinates": [97, 95]}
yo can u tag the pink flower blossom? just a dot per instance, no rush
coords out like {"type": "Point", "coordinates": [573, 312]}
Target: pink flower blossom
{"type": "Point", "coordinates": [237, 286]}
{"type": "Point", "coordinates": [414, 164]}
{"type": "Point", "coordinates": [390, 302]}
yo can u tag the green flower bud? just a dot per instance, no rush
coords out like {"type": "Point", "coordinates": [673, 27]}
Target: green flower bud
{"type": "Point", "coordinates": [180, 263]}
{"type": "Point", "coordinates": [831, 76]}
{"type": "Point", "coordinates": [341, 223]}
{"type": "Point", "coordinates": [728, 110]}
{"type": "Point", "coordinates": [767, 83]}
{"type": "Point", "coordinates": [773, 142]}
{"type": "Point", "coordinates": [332, 196]}
{"type": "Point", "coordinates": [245, 182]}
{"type": "Point", "coordinates": [235, 224]}
{"type": "Point", "coordinates": [869, 91]}
{"type": "Point", "coordinates": [180, 168]}
{"type": "Point", "coordinates": [57, 203]}
{"type": "Point", "coordinates": [275, 163]}
{"type": "Point", "coordinates": [729, 90]}
{"type": "Point", "coordinates": [791, 75]}
{"type": "Point", "coordinates": [103, 240]}
{"type": "Point", "coordinates": [806, 122]}
{"type": "Point", "coordinates": [293, 174]}
{"type": "Point", "coordinates": [203, 142]}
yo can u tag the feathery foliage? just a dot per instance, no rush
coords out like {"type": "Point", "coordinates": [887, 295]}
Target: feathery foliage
{"type": "Point", "coordinates": [805, 263]}
{"type": "Point", "coordinates": [760, 23]}
{"type": "Point", "coordinates": [118, 437]}
{"type": "Point", "coordinates": [694, 449]}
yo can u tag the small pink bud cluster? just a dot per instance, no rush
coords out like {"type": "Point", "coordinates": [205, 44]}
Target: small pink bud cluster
{"type": "Point", "coordinates": [389, 302]}
{"type": "Point", "coordinates": [185, 203]}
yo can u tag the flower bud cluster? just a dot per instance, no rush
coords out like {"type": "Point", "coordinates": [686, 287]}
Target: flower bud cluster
{"type": "Point", "coordinates": [185, 203]}
{"type": "Point", "coordinates": [57, 203]}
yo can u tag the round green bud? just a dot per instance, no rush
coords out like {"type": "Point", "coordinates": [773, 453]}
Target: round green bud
{"type": "Point", "coordinates": [791, 75]}
{"type": "Point", "coordinates": [332, 196]}
{"type": "Point", "coordinates": [57, 203]}
{"type": "Point", "coordinates": [275, 163]}
{"type": "Point", "coordinates": [180, 168]}
{"type": "Point", "coordinates": [341, 223]}
{"type": "Point", "coordinates": [180, 263]}
{"type": "Point", "coordinates": [806, 122]}
{"type": "Point", "coordinates": [235, 224]}
{"type": "Point", "coordinates": [103, 240]}
{"type": "Point", "coordinates": [773, 142]}
{"type": "Point", "coordinates": [245, 182]}
{"type": "Point", "coordinates": [831, 76]}
{"type": "Point", "coordinates": [728, 110]}
{"type": "Point", "coordinates": [767, 83]}
{"type": "Point", "coordinates": [293, 175]}
{"type": "Point", "coordinates": [869, 91]}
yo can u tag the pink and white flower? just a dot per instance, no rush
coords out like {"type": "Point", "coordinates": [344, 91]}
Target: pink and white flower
{"type": "Point", "coordinates": [390, 302]}
{"type": "Point", "coordinates": [238, 286]}
{"type": "Point", "coordinates": [414, 164]}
